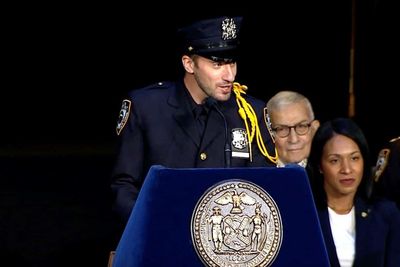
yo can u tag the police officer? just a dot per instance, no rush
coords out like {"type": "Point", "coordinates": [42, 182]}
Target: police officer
{"type": "Point", "coordinates": [387, 171]}
{"type": "Point", "coordinates": [202, 120]}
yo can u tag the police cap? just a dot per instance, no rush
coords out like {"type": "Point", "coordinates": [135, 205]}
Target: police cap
{"type": "Point", "coordinates": [217, 38]}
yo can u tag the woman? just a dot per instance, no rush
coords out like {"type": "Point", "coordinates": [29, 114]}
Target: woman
{"type": "Point", "coordinates": [358, 231]}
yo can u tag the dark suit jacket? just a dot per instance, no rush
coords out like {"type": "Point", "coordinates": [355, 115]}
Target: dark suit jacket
{"type": "Point", "coordinates": [161, 130]}
{"type": "Point", "coordinates": [377, 235]}
{"type": "Point", "coordinates": [388, 184]}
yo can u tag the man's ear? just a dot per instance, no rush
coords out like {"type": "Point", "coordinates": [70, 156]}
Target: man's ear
{"type": "Point", "coordinates": [187, 63]}
{"type": "Point", "coordinates": [315, 125]}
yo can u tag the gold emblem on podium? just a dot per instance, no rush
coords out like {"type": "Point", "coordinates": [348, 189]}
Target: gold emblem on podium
{"type": "Point", "coordinates": [236, 223]}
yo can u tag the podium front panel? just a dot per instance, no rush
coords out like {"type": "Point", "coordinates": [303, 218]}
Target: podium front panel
{"type": "Point", "coordinates": [159, 232]}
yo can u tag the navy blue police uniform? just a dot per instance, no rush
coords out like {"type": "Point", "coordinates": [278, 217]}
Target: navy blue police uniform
{"type": "Point", "coordinates": [158, 126]}
{"type": "Point", "coordinates": [387, 171]}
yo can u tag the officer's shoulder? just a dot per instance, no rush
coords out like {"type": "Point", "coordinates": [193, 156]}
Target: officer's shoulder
{"type": "Point", "coordinates": [254, 100]}
{"type": "Point", "coordinates": [393, 144]}
{"type": "Point", "coordinates": [152, 89]}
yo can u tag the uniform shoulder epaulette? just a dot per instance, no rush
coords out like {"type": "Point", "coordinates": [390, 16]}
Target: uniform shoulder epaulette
{"type": "Point", "coordinates": [144, 91]}
{"type": "Point", "coordinates": [158, 85]}
{"type": "Point", "coordinates": [139, 95]}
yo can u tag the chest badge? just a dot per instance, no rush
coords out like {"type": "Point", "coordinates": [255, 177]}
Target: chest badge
{"type": "Point", "coordinates": [240, 143]}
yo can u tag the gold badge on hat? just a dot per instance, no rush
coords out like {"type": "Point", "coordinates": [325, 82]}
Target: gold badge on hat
{"type": "Point", "coordinates": [123, 115]}
{"type": "Point", "coordinates": [236, 223]}
{"type": "Point", "coordinates": [228, 29]}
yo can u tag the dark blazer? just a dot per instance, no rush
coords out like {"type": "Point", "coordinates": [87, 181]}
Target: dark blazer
{"type": "Point", "coordinates": [161, 130]}
{"type": "Point", "coordinates": [377, 235]}
{"type": "Point", "coordinates": [388, 183]}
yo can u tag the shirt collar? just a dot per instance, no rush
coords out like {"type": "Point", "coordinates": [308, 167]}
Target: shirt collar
{"type": "Point", "coordinates": [302, 163]}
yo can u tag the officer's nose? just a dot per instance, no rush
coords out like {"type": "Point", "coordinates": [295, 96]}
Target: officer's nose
{"type": "Point", "coordinates": [229, 72]}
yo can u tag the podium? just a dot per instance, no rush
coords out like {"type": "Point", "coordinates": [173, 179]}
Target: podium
{"type": "Point", "coordinates": [172, 204]}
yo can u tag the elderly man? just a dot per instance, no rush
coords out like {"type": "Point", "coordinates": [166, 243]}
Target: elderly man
{"type": "Point", "coordinates": [290, 119]}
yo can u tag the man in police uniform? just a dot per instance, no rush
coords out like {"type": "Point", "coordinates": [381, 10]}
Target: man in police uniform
{"type": "Point", "coordinates": [387, 171]}
{"type": "Point", "coordinates": [193, 122]}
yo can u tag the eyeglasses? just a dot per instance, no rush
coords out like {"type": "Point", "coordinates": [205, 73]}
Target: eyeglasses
{"type": "Point", "coordinates": [284, 130]}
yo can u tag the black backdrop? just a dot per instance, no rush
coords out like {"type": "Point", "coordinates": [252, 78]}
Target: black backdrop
{"type": "Point", "coordinates": [67, 68]}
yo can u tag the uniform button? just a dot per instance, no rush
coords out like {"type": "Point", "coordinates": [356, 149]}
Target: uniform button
{"type": "Point", "coordinates": [364, 214]}
{"type": "Point", "coordinates": [203, 156]}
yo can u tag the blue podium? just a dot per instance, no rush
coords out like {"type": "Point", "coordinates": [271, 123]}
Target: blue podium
{"type": "Point", "coordinates": [263, 215]}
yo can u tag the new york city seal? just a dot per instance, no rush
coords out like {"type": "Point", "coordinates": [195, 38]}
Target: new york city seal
{"type": "Point", "coordinates": [236, 223]}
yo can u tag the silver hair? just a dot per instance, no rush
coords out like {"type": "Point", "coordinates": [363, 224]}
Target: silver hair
{"type": "Point", "coordinates": [284, 98]}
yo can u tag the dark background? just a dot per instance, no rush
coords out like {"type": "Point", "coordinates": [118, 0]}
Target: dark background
{"type": "Point", "coordinates": [66, 69]}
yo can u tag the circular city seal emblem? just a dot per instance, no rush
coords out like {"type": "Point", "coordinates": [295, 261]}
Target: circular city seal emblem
{"type": "Point", "coordinates": [236, 223]}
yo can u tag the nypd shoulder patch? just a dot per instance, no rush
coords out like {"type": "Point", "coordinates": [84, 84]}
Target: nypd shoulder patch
{"type": "Point", "coordinates": [123, 115]}
{"type": "Point", "coordinates": [267, 121]}
{"type": "Point", "coordinates": [381, 163]}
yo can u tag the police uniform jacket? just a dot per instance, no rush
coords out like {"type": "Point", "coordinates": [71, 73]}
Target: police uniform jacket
{"type": "Point", "coordinates": [388, 183]}
{"type": "Point", "coordinates": [161, 130]}
{"type": "Point", "coordinates": [377, 241]}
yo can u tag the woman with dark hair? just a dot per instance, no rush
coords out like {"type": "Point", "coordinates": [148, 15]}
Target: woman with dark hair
{"type": "Point", "coordinates": [358, 230]}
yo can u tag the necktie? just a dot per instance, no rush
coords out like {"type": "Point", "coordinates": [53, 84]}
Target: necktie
{"type": "Point", "coordinates": [201, 119]}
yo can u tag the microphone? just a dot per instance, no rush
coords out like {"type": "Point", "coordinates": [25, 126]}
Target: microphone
{"type": "Point", "coordinates": [212, 103]}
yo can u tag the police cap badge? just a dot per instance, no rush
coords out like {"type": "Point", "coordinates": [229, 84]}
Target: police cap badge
{"type": "Point", "coordinates": [216, 38]}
